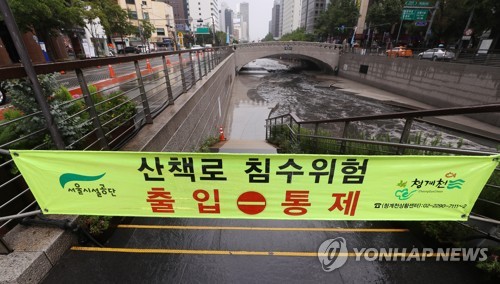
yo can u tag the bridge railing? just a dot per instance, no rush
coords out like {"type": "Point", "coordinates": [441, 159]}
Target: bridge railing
{"type": "Point", "coordinates": [103, 104]}
{"type": "Point", "coordinates": [286, 45]}
{"type": "Point", "coordinates": [345, 136]}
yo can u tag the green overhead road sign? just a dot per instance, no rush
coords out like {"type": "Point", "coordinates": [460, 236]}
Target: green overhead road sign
{"type": "Point", "coordinates": [202, 30]}
{"type": "Point", "coordinates": [414, 15]}
{"type": "Point", "coordinates": [418, 3]}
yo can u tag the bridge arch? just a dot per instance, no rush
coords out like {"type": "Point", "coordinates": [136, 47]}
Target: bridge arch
{"type": "Point", "coordinates": [325, 55]}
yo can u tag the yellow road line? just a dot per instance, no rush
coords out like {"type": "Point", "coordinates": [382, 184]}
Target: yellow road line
{"type": "Point", "coordinates": [248, 253]}
{"type": "Point", "coordinates": [165, 227]}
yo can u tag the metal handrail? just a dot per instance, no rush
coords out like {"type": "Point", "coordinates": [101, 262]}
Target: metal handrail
{"type": "Point", "coordinates": [289, 120]}
{"type": "Point", "coordinates": [170, 82]}
{"type": "Point", "coordinates": [415, 114]}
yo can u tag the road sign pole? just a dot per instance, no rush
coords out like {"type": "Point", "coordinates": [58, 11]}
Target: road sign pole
{"type": "Point", "coordinates": [466, 28]}
{"type": "Point", "coordinates": [426, 38]}
{"type": "Point", "coordinates": [400, 25]}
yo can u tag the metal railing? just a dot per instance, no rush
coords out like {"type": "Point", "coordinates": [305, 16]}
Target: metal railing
{"type": "Point", "coordinates": [102, 112]}
{"type": "Point", "coordinates": [488, 57]}
{"type": "Point", "coordinates": [343, 136]}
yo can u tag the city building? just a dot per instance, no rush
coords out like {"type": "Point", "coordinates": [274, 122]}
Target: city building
{"type": "Point", "coordinates": [311, 10]}
{"type": "Point", "coordinates": [245, 22]}
{"type": "Point", "coordinates": [291, 15]}
{"type": "Point", "coordinates": [157, 13]}
{"type": "Point", "coordinates": [204, 13]}
{"type": "Point", "coordinates": [275, 23]}
{"type": "Point", "coordinates": [237, 28]}
{"type": "Point", "coordinates": [229, 19]}
{"type": "Point", "coordinates": [181, 16]}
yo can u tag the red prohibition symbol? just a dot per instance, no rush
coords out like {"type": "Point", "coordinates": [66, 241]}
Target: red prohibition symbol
{"type": "Point", "coordinates": [251, 203]}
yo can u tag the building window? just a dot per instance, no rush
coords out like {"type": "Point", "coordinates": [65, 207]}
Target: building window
{"type": "Point", "coordinates": [132, 15]}
{"type": "Point", "coordinates": [146, 16]}
{"type": "Point", "coordinates": [160, 31]}
{"type": "Point", "coordinates": [144, 3]}
{"type": "Point", "coordinates": [130, 1]}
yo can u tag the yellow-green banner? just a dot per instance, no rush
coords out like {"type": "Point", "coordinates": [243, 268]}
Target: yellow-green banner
{"type": "Point", "coordinates": [255, 186]}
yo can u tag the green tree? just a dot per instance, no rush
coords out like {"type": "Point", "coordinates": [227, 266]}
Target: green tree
{"type": "Point", "coordinates": [298, 35]}
{"type": "Point", "coordinates": [384, 14]}
{"type": "Point", "coordinates": [339, 13]}
{"type": "Point", "coordinates": [452, 17]}
{"type": "Point", "coordinates": [113, 18]}
{"type": "Point", "coordinates": [268, 37]}
{"type": "Point", "coordinates": [220, 38]}
{"type": "Point", "coordinates": [47, 18]}
{"type": "Point", "coordinates": [147, 29]}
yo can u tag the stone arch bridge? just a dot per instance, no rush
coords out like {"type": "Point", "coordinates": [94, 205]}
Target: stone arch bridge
{"type": "Point", "coordinates": [324, 55]}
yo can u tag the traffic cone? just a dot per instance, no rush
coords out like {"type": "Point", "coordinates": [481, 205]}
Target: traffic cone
{"type": "Point", "coordinates": [168, 62]}
{"type": "Point", "coordinates": [221, 134]}
{"type": "Point", "coordinates": [148, 65]}
{"type": "Point", "coordinates": [111, 71]}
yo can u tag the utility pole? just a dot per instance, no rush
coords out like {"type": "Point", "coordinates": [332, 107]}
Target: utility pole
{"type": "Point", "coordinates": [213, 26]}
{"type": "Point", "coordinates": [466, 28]}
{"type": "Point", "coordinates": [428, 32]}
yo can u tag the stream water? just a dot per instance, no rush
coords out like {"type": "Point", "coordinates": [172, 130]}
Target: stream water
{"type": "Point", "coordinates": [269, 83]}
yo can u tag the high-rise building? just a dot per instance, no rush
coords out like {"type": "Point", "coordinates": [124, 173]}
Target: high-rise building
{"type": "Point", "coordinates": [222, 16]}
{"type": "Point", "coordinates": [226, 19]}
{"type": "Point", "coordinates": [229, 19]}
{"type": "Point", "coordinates": [291, 15]}
{"type": "Point", "coordinates": [204, 13]}
{"type": "Point", "coordinates": [181, 16]}
{"type": "Point", "coordinates": [237, 27]}
{"type": "Point", "coordinates": [274, 27]}
{"type": "Point", "coordinates": [311, 10]}
{"type": "Point", "coordinates": [245, 22]}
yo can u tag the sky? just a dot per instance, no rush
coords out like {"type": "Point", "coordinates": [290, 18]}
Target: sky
{"type": "Point", "coordinates": [260, 15]}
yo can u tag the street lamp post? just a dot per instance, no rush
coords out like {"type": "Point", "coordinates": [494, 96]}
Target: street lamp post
{"type": "Point", "coordinates": [140, 30]}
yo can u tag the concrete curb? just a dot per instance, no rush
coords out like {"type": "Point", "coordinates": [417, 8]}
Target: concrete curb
{"type": "Point", "coordinates": [35, 251]}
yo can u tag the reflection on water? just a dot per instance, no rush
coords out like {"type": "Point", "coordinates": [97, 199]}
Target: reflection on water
{"type": "Point", "coordinates": [298, 92]}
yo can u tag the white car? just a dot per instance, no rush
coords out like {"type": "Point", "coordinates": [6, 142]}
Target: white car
{"type": "Point", "coordinates": [196, 46]}
{"type": "Point", "coordinates": [437, 54]}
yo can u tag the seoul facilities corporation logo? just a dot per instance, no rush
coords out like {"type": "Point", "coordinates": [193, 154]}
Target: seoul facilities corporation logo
{"type": "Point", "coordinates": [333, 254]}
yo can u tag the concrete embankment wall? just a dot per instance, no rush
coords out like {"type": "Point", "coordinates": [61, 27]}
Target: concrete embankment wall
{"type": "Point", "coordinates": [194, 116]}
{"type": "Point", "coordinates": [440, 84]}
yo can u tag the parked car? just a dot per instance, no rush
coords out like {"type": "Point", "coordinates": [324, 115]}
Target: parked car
{"type": "Point", "coordinates": [196, 46]}
{"type": "Point", "coordinates": [399, 51]}
{"type": "Point", "coordinates": [129, 49]}
{"type": "Point", "coordinates": [437, 54]}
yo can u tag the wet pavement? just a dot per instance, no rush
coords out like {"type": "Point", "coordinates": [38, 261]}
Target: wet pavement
{"type": "Point", "coordinates": [169, 250]}
{"type": "Point", "coordinates": [165, 250]}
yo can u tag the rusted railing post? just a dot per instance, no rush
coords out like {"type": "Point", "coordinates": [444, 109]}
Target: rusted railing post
{"type": "Point", "coordinates": [405, 135]}
{"type": "Point", "coordinates": [199, 63]}
{"type": "Point", "coordinates": [193, 80]}
{"type": "Point", "coordinates": [167, 81]}
{"type": "Point", "coordinates": [87, 97]}
{"type": "Point", "coordinates": [183, 76]}
{"type": "Point", "coordinates": [144, 97]}
{"type": "Point", "coordinates": [205, 62]}
{"type": "Point", "coordinates": [209, 64]}
{"type": "Point", "coordinates": [343, 145]}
